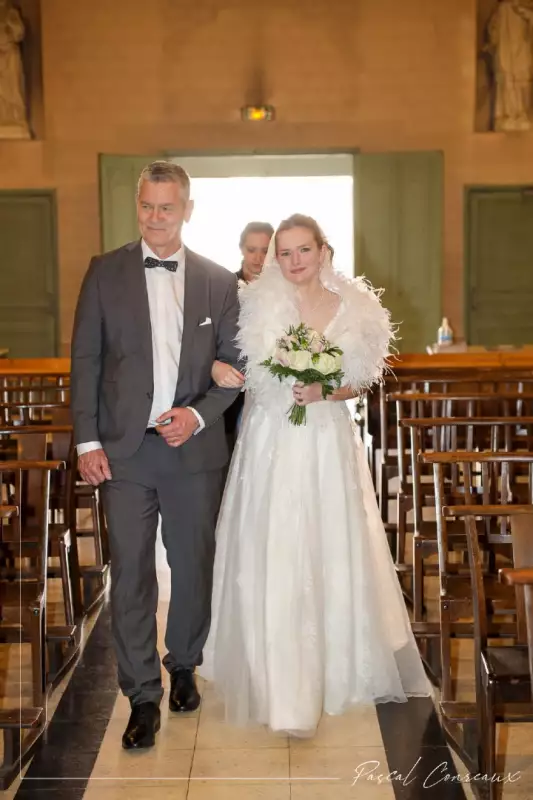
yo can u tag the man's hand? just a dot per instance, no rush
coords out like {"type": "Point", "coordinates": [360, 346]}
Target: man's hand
{"type": "Point", "coordinates": [226, 376]}
{"type": "Point", "coordinates": [184, 423]}
{"type": "Point", "coordinates": [94, 467]}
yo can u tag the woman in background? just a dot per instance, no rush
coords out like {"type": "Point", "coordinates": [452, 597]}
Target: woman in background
{"type": "Point", "coordinates": [253, 244]}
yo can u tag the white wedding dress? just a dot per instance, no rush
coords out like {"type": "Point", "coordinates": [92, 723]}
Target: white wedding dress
{"type": "Point", "coordinates": [307, 614]}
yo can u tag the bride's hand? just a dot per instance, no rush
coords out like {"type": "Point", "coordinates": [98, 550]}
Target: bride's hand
{"type": "Point", "coordinates": [303, 395]}
{"type": "Point", "coordinates": [226, 376]}
{"type": "Point", "coordinates": [344, 393]}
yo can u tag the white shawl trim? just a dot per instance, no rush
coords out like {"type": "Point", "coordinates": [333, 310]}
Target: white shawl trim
{"type": "Point", "coordinates": [361, 328]}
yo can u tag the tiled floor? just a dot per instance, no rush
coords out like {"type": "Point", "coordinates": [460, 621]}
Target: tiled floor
{"type": "Point", "coordinates": [200, 757]}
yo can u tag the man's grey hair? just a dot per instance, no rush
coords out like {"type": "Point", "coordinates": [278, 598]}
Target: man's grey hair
{"type": "Point", "coordinates": [165, 172]}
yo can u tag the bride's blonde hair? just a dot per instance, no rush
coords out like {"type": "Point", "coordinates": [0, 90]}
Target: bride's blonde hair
{"type": "Point", "coordinates": [302, 221]}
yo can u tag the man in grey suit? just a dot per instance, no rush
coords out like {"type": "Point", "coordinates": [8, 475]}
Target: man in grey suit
{"type": "Point", "coordinates": [151, 318]}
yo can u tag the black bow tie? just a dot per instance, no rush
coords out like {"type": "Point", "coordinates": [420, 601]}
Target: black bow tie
{"type": "Point", "coordinates": [150, 262]}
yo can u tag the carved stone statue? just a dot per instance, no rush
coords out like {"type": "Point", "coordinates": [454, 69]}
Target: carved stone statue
{"type": "Point", "coordinates": [13, 118]}
{"type": "Point", "coordinates": [510, 42]}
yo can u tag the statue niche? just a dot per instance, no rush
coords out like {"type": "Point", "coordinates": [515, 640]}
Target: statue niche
{"type": "Point", "coordinates": [509, 45]}
{"type": "Point", "coordinates": [13, 109]}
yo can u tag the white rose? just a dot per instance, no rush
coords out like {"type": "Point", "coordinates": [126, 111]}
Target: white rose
{"type": "Point", "coordinates": [326, 363]}
{"type": "Point", "coordinates": [299, 360]}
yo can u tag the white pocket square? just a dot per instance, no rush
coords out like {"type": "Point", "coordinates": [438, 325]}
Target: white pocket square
{"type": "Point", "coordinates": [207, 321]}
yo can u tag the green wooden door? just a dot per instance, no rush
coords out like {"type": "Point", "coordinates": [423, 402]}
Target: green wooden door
{"type": "Point", "coordinates": [499, 267]}
{"type": "Point", "coordinates": [28, 274]}
{"type": "Point", "coordinates": [398, 235]}
{"type": "Point", "coordinates": [118, 183]}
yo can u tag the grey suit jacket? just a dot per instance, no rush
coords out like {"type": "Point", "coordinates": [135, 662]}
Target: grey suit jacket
{"type": "Point", "coordinates": [112, 364]}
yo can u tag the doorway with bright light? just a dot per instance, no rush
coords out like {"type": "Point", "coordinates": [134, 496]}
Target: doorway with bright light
{"type": "Point", "coordinates": [231, 191]}
{"type": "Point", "coordinates": [387, 207]}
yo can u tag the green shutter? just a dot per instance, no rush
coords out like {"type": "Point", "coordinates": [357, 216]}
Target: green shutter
{"type": "Point", "coordinates": [398, 234]}
{"type": "Point", "coordinates": [28, 274]}
{"type": "Point", "coordinates": [499, 272]}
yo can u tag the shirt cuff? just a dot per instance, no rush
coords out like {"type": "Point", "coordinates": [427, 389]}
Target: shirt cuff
{"type": "Point", "coordinates": [86, 447]}
{"type": "Point", "coordinates": [201, 422]}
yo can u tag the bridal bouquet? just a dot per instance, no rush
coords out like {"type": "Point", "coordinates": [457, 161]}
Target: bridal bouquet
{"type": "Point", "coordinates": [304, 354]}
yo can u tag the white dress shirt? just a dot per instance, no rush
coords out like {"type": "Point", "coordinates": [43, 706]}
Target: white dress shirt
{"type": "Point", "coordinates": [165, 299]}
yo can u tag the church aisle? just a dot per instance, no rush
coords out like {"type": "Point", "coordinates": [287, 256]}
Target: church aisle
{"type": "Point", "coordinates": [199, 757]}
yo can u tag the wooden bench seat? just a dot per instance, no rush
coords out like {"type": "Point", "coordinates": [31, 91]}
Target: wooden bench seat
{"type": "Point", "coordinates": [24, 718]}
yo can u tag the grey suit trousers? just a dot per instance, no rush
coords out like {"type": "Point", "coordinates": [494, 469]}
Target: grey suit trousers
{"type": "Point", "coordinates": [154, 481]}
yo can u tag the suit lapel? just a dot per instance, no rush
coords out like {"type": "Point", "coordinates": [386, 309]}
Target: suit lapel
{"type": "Point", "coordinates": [135, 281]}
{"type": "Point", "coordinates": [195, 302]}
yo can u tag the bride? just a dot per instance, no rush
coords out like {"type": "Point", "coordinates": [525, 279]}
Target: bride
{"type": "Point", "coordinates": [307, 612]}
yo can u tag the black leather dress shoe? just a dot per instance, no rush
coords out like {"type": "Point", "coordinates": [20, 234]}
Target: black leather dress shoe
{"type": "Point", "coordinates": [183, 692]}
{"type": "Point", "coordinates": [145, 721]}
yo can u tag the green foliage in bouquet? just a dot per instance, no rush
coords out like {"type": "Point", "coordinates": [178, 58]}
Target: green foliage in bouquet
{"type": "Point", "coordinates": [309, 357]}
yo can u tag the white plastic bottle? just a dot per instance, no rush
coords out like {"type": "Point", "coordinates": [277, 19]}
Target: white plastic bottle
{"type": "Point", "coordinates": [445, 333]}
